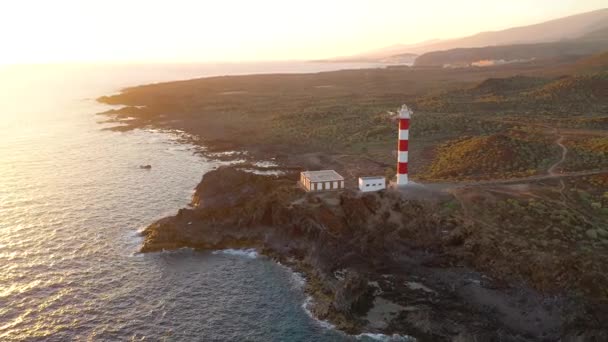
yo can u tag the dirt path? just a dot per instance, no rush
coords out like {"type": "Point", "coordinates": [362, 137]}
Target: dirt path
{"type": "Point", "coordinates": [551, 171]}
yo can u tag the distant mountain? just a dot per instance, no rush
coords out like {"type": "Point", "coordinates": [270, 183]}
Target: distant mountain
{"type": "Point", "coordinates": [567, 28]}
{"type": "Point", "coordinates": [383, 53]}
{"type": "Point", "coordinates": [395, 50]}
{"type": "Point", "coordinates": [591, 43]}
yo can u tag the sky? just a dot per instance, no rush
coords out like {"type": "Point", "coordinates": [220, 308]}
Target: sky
{"type": "Point", "coordinates": [63, 31]}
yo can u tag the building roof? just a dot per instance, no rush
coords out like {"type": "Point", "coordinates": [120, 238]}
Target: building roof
{"type": "Point", "coordinates": [323, 176]}
{"type": "Point", "coordinates": [372, 177]}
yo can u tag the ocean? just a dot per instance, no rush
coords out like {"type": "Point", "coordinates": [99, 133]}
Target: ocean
{"type": "Point", "coordinates": [73, 201]}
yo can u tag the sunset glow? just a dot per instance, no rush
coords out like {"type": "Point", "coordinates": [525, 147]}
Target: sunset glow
{"type": "Point", "coordinates": [188, 31]}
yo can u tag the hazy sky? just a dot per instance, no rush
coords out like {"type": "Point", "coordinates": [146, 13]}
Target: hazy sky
{"type": "Point", "coordinates": [239, 30]}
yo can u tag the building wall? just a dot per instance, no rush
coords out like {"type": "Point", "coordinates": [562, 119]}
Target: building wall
{"type": "Point", "coordinates": [374, 184]}
{"type": "Point", "coordinates": [320, 186]}
{"type": "Point", "coordinates": [323, 186]}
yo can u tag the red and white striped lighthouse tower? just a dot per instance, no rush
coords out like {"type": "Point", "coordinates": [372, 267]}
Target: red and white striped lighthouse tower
{"type": "Point", "coordinates": [404, 128]}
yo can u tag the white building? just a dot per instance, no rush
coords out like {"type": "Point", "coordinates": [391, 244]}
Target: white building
{"type": "Point", "coordinates": [323, 180]}
{"type": "Point", "coordinates": [367, 184]}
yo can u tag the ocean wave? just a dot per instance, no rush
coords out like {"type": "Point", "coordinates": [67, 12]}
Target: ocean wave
{"type": "Point", "coordinates": [180, 250]}
{"type": "Point", "coordinates": [250, 253]}
{"type": "Point", "coordinates": [298, 279]}
{"type": "Point", "coordinates": [140, 231]}
{"type": "Point", "coordinates": [266, 163]}
{"type": "Point", "coordinates": [306, 306]}
{"type": "Point", "coordinates": [384, 338]}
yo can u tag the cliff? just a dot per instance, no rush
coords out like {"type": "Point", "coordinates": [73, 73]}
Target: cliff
{"type": "Point", "coordinates": [381, 262]}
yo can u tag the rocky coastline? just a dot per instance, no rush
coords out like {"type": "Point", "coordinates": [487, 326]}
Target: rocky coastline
{"type": "Point", "coordinates": [382, 262]}
{"type": "Point", "coordinates": [505, 241]}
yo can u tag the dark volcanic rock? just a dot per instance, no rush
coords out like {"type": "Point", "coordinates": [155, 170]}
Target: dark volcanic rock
{"type": "Point", "coordinates": [356, 249]}
{"type": "Point", "coordinates": [229, 188]}
{"type": "Point", "coordinates": [353, 295]}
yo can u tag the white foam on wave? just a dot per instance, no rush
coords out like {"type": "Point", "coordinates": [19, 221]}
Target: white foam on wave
{"type": "Point", "coordinates": [265, 163]}
{"type": "Point", "coordinates": [265, 172]}
{"type": "Point", "coordinates": [250, 253]}
{"type": "Point", "coordinates": [179, 250]}
{"type": "Point", "coordinates": [419, 286]}
{"type": "Point", "coordinates": [306, 306]}
{"type": "Point", "coordinates": [298, 279]}
{"type": "Point", "coordinates": [384, 338]}
{"type": "Point", "coordinates": [140, 231]}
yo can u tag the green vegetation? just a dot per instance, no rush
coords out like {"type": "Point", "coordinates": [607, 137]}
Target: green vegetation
{"type": "Point", "coordinates": [587, 153]}
{"type": "Point", "coordinates": [489, 157]}
{"type": "Point", "coordinates": [519, 94]}
{"type": "Point", "coordinates": [469, 123]}
{"type": "Point", "coordinates": [596, 123]}
{"type": "Point", "coordinates": [589, 89]}
{"type": "Point", "coordinates": [535, 233]}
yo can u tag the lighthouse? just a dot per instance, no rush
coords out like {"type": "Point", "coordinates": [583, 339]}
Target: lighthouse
{"type": "Point", "coordinates": [404, 128]}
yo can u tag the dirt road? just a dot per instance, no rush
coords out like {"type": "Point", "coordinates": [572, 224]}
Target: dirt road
{"type": "Point", "coordinates": [552, 169]}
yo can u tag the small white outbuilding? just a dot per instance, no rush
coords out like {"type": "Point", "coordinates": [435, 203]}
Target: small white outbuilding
{"type": "Point", "coordinates": [323, 180]}
{"type": "Point", "coordinates": [368, 184]}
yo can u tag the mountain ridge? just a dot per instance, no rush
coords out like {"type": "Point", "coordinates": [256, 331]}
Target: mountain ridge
{"type": "Point", "coordinates": [589, 44]}
{"type": "Point", "coordinates": [564, 28]}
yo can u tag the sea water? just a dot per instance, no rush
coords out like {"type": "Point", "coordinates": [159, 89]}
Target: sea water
{"type": "Point", "coordinates": [73, 201]}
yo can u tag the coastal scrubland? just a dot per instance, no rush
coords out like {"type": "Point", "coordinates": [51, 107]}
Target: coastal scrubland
{"type": "Point", "coordinates": [514, 163]}
{"type": "Point", "coordinates": [352, 111]}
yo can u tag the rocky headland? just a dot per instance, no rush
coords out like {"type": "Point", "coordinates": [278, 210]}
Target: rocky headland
{"type": "Point", "coordinates": [507, 240]}
{"type": "Point", "coordinates": [392, 262]}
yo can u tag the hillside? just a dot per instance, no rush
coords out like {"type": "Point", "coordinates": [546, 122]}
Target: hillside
{"type": "Point", "coordinates": [562, 95]}
{"type": "Point", "coordinates": [595, 42]}
{"type": "Point", "coordinates": [566, 28]}
{"type": "Point", "coordinates": [348, 113]}
{"type": "Point", "coordinates": [589, 64]}
{"type": "Point", "coordinates": [490, 157]}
